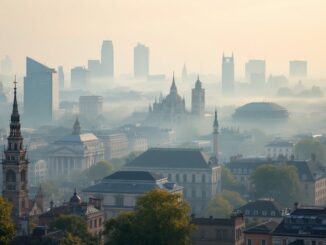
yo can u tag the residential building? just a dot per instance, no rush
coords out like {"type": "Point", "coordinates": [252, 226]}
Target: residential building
{"type": "Point", "coordinates": [90, 212]}
{"type": "Point", "coordinates": [41, 93]}
{"type": "Point", "coordinates": [80, 78]}
{"type": "Point", "coordinates": [107, 59]}
{"type": "Point", "coordinates": [261, 210]}
{"type": "Point", "coordinates": [312, 177]}
{"type": "Point", "coordinates": [120, 190]}
{"type": "Point", "coordinates": [91, 106]}
{"type": "Point", "coordinates": [141, 61]}
{"type": "Point", "coordinates": [75, 152]}
{"type": "Point", "coordinates": [306, 225]}
{"type": "Point", "coordinates": [279, 149]}
{"type": "Point", "coordinates": [260, 234]}
{"type": "Point", "coordinates": [198, 100]}
{"type": "Point", "coordinates": [227, 231]}
{"type": "Point", "coordinates": [115, 145]}
{"type": "Point", "coordinates": [194, 170]}
{"type": "Point", "coordinates": [298, 68]}
{"type": "Point", "coordinates": [256, 72]}
{"type": "Point", "coordinates": [227, 74]}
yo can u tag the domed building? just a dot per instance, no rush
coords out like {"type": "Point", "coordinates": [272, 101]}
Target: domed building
{"type": "Point", "coordinates": [261, 111]}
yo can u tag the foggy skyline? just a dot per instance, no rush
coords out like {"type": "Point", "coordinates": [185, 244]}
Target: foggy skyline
{"type": "Point", "coordinates": [69, 33]}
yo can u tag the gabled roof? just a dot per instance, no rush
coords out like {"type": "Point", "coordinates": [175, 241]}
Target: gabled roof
{"type": "Point", "coordinates": [261, 205]}
{"type": "Point", "coordinates": [171, 158]}
{"type": "Point", "coordinates": [263, 228]}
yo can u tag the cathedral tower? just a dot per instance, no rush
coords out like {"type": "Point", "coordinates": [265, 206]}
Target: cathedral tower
{"type": "Point", "coordinates": [15, 167]}
{"type": "Point", "coordinates": [198, 99]}
{"type": "Point", "coordinates": [215, 136]}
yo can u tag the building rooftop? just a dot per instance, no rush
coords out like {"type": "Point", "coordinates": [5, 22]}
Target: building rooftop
{"type": "Point", "coordinates": [171, 158]}
{"type": "Point", "coordinates": [263, 228]}
{"type": "Point", "coordinates": [259, 206]}
{"type": "Point", "coordinates": [80, 138]}
{"type": "Point", "coordinates": [134, 175]}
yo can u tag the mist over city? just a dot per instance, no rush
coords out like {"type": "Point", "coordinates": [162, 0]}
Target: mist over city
{"type": "Point", "coordinates": [163, 122]}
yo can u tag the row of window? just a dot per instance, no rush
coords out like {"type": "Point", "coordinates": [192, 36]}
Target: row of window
{"type": "Point", "coordinates": [263, 213]}
{"type": "Point", "coordinates": [179, 178]}
{"type": "Point", "coordinates": [262, 242]}
{"type": "Point", "coordinates": [94, 223]}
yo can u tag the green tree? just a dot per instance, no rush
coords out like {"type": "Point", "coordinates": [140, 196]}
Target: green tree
{"type": "Point", "coordinates": [76, 226]}
{"type": "Point", "coordinates": [229, 181]}
{"type": "Point", "coordinates": [278, 182]}
{"type": "Point", "coordinates": [70, 239]}
{"type": "Point", "coordinates": [7, 227]}
{"type": "Point", "coordinates": [222, 205]}
{"type": "Point", "coordinates": [304, 149]}
{"type": "Point", "coordinates": [159, 218]}
{"type": "Point", "coordinates": [99, 170]}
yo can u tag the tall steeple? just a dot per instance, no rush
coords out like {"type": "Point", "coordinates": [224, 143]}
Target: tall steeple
{"type": "Point", "coordinates": [76, 129]}
{"type": "Point", "coordinates": [215, 136]}
{"type": "Point", "coordinates": [173, 89]}
{"type": "Point", "coordinates": [15, 167]}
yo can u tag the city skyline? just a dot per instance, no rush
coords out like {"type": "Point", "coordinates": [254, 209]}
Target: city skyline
{"type": "Point", "coordinates": [250, 30]}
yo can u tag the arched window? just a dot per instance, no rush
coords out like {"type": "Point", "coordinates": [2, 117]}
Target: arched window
{"type": "Point", "coordinates": [23, 175]}
{"type": "Point", "coordinates": [10, 176]}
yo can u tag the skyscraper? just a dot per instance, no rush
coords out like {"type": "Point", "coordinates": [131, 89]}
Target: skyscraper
{"type": "Point", "coordinates": [41, 93]}
{"type": "Point", "coordinates": [107, 59]}
{"type": "Point", "coordinates": [298, 68]}
{"type": "Point", "coordinates": [61, 77]}
{"type": "Point", "coordinates": [79, 77]}
{"type": "Point", "coordinates": [198, 99]}
{"type": "Point", "coordinates": [94, 68]}
{"type": "Point", "coordinates": [15, 168]}
{"type": "Point", "coordinates": [227, 74]}
{"type": "Point", "coordinates": [141, 60]}
{"type": "Point", "coordinates": [256, 72]}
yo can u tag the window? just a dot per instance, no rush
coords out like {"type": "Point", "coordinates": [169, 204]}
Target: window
{"type": "Point", "coordinates": [95, 223]}
{"type": "Point", "coordinates": [193, 179]}
{"type": "Point", "coordinates": [264, 213]}
{"type": "Point", "coordinates": [100, 221]}
{"type": "Point", "coordinates": [273, 213]}
{"type": "Point", "coordinates": [91, 224]}
{"type": "Point", "coordinates": [247, 212]}
{"type": "Point", "coordinates": [248, 241]}
{"type": "Point", "coordinates": [256, 212]}
{"type": "Point", "coordinates": [263, 242]}
{"type": "Point", "coordinates": [10, 176]}
{"type": "Point", "coordinates": [119, 201]}
{"type": "Point", "coordinates": [203, 178]}
{"type": "Point", "coordinates": [184, 178]}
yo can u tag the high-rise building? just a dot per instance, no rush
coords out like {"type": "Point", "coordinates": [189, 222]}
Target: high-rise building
{"type": "Point", "coordinates": [107, 59]}
{"type": "Point", "coordinates": [298, 68]}
{"type": "Point", "coordinates": [61, 77]}
{"type": "Point", "coordinates": [41, 93]}
{"type": "Point", "coordinates": [256, 72]}
{"type": "Point", "coordinates": [141, 60]}
{"type": "Point", "coordinates": [198, 99]}
{"type": "Point", "coordinates": [227, 74]}
{"type": "Point", "coordinates": [79, 77]}
{"type": "Point", "coordinates": [6, 65]}
{"type": "Point", "coordinates": [15, 168]}
{"type": "Point", "coordinates": [91, 106]}
{"type": "Point", "coordinates": [94, 68]}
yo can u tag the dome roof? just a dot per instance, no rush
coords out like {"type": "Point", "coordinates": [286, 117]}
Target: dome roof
{"type": "Point", "coordinates": [75, 198]}
{"type": "Point", "coordinates": [261, 106]}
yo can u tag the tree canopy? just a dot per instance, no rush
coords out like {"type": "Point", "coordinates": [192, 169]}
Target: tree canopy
{"type": "Point", "coordinates": [278, 182]}
{"type": "Point", "coordinates": [305, 148]}
{"type": "Point", "coordinates": [99, 170]}
{"type": "Point", "coordinates": [7, 227]}
{"type": "Point", "coordinates": [222, 205]}
{"type": "Point", "coordinates": [229, 181]}
{"type": "Point", "coordinates": [159, 218]}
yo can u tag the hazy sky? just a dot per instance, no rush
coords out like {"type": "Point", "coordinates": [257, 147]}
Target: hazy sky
{"type": "Point", "coordinates": [69, 32]}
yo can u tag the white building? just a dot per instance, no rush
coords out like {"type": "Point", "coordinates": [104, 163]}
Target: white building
{"type": "Point", "coordinates": [75, 152]}
{"type": "Point", "coordinates": [277, 149]}
{"type": "Point", "coordinates": [196, 172]}
{"type": "Point", "coordinates": [120, 190]}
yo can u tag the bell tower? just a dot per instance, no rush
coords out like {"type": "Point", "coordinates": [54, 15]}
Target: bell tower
{"type": "Point", "coordinates": [15, 167]}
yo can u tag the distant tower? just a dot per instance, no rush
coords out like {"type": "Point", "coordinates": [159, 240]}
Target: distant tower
{"type": "Point", "coordinates": [184, 73]}
{"type": "Point", "coordinates": [61, 77]}
{"type": "Point", "coordinates": [141, 60]}
{"type": "Point", "coordinates": [215, 136]}
{"type": "Point", "coordinates": [15, 168]}
{"type": "Point", "coordinates": [107, 59]}
{"type": "Point", "coordinates": [77, 128]}
{"type": "Point", "coordinates": [227, 74]}
{"type": "Point", "coordinates": [198, 99]}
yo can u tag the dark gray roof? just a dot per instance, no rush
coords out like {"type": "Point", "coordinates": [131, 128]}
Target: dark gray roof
{"type": "Point", "coordinates": [261, 106]}
{"type": "Point", "coordinates": [171, 158]}
{"type": "Point", "coordinates": [263, 228]}
{"type": "Point", "coordinates": [134, 175]}
{"type": "Point", "coordinates": [261, 205]}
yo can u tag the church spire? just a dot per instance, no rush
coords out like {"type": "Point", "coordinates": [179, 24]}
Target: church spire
{"type": "Point", "coordinates": [173, 88]}
{"type": "Point", "coordinates": [15, 118]}
{"type": "Point", "coordinates": [76, 129]}
{"type": "Point", "coordinates": [215, 137]}
{"type": "Point", "coordinates": [215, 125]}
